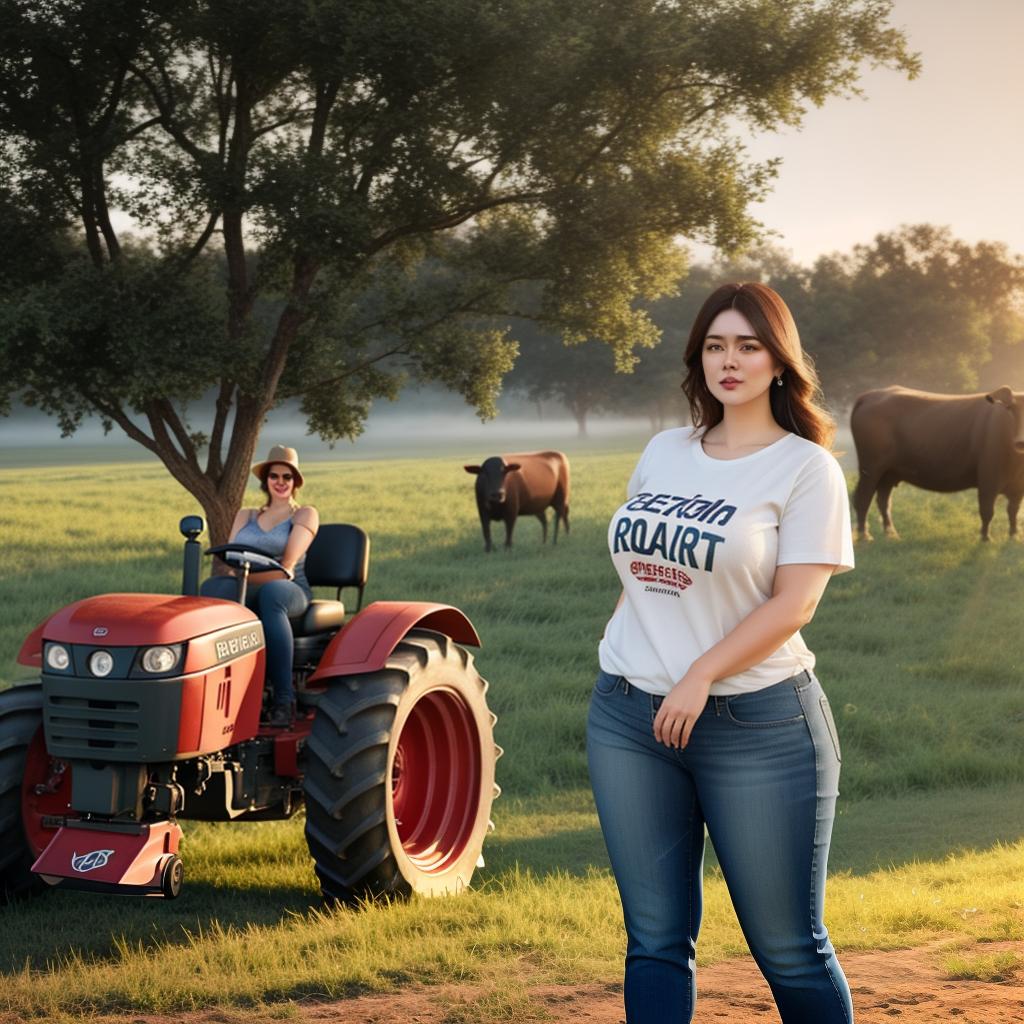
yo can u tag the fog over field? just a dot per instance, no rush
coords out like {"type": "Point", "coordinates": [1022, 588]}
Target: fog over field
{"type": "Point", "coordinates": [402, 429]}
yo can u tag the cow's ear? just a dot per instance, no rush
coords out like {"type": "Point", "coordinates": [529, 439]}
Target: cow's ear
{"type": "Point", "coordinates": [471, 469]}
{"type": "Point", "coordinates": [511, 467]}
{"type": "Point", "coordinates": [1003, 395]}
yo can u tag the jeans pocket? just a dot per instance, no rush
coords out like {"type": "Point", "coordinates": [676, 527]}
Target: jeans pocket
{"type": "Point", "coordinates": [762, 709]}
{"type": "Point", "coordinates": [606, 683]}
{"type": "Point", "coordinates": [826, 710]}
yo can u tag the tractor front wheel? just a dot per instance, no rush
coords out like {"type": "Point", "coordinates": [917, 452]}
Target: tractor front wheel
{"type": "Point", "coordinates": [399, 774]}
{"type": "Point", "coordinates": [21, 718]}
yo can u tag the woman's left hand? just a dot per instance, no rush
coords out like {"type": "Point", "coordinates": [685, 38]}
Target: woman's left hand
{"type": "Point", "coordinates": [680, 710]}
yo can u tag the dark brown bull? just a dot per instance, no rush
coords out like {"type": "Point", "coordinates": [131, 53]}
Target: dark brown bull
{"type": "Point", "coordinates": [508, 486]}
{"type": "Point", "coordinates": [940, 443]}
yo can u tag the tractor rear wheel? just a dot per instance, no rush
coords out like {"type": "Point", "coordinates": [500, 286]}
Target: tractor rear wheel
{"type": "Point", "coordinates": [399, 774]}
{"type": "Point", "coordinates": [21, 717]}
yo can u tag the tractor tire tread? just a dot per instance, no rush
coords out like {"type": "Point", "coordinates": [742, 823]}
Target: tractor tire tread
{"type": "Point", "coordinates": [21, 714]}
{"type": "Point", "coordinates": [347, 768]}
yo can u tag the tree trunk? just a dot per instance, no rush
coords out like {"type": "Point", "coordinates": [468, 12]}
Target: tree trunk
{"type": "Point", "coordinates": [579, 412]}
{"type": "Point", "coordinates": [220, 514]}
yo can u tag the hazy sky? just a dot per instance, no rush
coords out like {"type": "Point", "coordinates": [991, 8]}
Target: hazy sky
{"type": "Point", "coordinates": [946, 148]}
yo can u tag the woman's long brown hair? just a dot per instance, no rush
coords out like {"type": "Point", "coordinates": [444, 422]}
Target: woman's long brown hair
{"type": "Point", "coordinates": [796, 406]}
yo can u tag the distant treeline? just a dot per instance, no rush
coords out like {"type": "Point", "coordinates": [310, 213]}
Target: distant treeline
{"type": "Point", "coordinates": [916, 307]}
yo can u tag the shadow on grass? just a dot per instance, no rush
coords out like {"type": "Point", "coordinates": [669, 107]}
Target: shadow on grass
{"type": "Point", "coordinates": [46, 931]}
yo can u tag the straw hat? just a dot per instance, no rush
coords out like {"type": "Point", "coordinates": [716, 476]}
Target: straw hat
{"type": "Point", "coordinates": [280, 453]}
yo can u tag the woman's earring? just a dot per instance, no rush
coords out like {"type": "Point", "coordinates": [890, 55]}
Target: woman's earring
{"type": "Point", "coordinates": [778, 381]}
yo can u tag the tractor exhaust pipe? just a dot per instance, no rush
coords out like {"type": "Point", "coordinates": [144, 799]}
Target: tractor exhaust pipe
{"type": "Point", "coordinates": [191, 527]}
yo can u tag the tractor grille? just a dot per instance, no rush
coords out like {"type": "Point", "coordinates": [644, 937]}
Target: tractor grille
{"type": "Point", "coordinates": [101, 725]}
{"type": "Point", "coordinates": [101, 720]}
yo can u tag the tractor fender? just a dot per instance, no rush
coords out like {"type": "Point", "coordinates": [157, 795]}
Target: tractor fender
{"type": "Point", "coordinates": [31, 652]}
{"type": "Point", "coordinates": [365, 644]}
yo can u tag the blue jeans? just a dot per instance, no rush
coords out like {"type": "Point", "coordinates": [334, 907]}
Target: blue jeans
{"type": "Point", "coordinates": [761, 771]}
{"type": "Point", "coordinates": [275, 602]}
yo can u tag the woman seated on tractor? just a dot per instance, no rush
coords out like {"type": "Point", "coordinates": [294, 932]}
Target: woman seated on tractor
{"type": "Point", "coordinates": [284, 530]}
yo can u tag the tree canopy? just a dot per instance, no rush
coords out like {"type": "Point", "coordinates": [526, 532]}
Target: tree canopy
{"type": "Point", "coordinates": [329, 194]}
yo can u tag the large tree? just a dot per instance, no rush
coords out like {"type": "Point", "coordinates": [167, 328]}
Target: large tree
{"type": "Point", "coordinates": [328, 193]}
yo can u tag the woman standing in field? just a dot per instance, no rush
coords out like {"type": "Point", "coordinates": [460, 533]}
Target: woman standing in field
{"type": "Point", "coordinates": [706, 711]}
{"type": "Point", "coordinates": [284, 530]}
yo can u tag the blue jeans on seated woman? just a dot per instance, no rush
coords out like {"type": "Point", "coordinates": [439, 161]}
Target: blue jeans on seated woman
{"type": "Point", "coordinates": [275, 602]}
{"type": "Point", "coordinates": [761, 771]}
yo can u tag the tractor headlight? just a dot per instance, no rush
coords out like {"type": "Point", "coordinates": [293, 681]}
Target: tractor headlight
{"type": "Point", "coordinates": [101, 663]}
{"type": "Point", "coordinates": [57, 657]}
{"type": "Point", "coordinates": [160, 659]}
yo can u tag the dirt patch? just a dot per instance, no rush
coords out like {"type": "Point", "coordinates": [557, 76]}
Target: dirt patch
{"type": "Point", "coordinates": [902, 985]}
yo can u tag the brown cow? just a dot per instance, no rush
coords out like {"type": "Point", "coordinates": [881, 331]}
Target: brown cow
{"type": "Point", "coordinates": [940, 443]}
{"type": "Point", "coordinates": [508, 486]}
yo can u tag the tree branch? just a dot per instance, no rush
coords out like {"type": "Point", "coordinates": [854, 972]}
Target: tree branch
{"type": "Point", "coordinates": [173, 420]}
{"type": "Point", "coordinates": [455, 218]}
{"type": "Point", "coordinates": [118, 415]}
{"type": "Point", "coordinates": [350, 372]}
{"type": "Point", "coordinates": [294, 116]}
{"type": "Point", "coordinates": [214, 462]}
{"type": "Point", "coordinates": [103, 214]}
{"type": "Point", "coordinates": [140, 128]}
{"type": "Point", "coordinates": [116, 91]}
{"type": "Point", "coordinates": [200, 243]}
{"type": "Point", "coordinates": [166, 107]}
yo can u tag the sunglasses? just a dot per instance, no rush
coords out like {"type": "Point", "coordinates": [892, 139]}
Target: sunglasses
{"type": "Point", "coordinates": [285, 477]}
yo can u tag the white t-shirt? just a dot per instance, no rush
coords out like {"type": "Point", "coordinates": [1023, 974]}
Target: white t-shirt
{"type": "Point", "coordinates": [696, 546]}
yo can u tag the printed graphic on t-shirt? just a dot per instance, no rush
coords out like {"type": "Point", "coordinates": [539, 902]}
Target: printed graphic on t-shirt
{"type": "Point", "coordinates": [679, 545]}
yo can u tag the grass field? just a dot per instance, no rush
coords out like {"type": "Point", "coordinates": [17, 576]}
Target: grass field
{"type": "Point", "coordinates": [919, 650]}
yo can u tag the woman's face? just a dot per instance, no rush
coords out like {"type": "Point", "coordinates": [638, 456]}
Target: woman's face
{"type": "Point", "coordinates": [737, 367]}
{"type": "Point", "coordinates": [280, 481]}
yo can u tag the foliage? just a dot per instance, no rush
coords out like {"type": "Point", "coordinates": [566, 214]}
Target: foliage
{"type": "Point", "coordinates": [374, 180]}
{"type": "Point", "coordinates": [916, 307]}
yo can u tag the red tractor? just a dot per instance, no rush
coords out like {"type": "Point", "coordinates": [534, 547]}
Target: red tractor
{"type": "Point", "coordinates": [148, 711]}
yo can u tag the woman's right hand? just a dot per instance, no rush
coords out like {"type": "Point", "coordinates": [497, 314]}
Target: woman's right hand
{"type": "Point", "coordinates": [680, 710]}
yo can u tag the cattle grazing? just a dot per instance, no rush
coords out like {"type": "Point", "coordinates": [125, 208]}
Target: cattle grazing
{"type": "Point", "coordinates": [940, 443]}
{"type": "Point", "coordinates": [508, 486]}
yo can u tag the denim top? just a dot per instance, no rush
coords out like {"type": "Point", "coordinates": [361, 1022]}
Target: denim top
{"type": "Point", "coordinates": [273, 542]}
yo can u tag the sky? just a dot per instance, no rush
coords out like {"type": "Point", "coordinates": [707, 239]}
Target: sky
{"type": "Point", "coordinates": [945, 148]}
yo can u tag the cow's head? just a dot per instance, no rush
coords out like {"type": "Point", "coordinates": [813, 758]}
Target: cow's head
{"type": "Point", "coordinates": [1014, 404]}
{"type": "Point", "coordinates": [490, 478]}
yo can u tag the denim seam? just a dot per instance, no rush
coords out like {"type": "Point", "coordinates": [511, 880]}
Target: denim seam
{"type": "Point", "coordinates": [835, 987]}
{"type": "Point", "coordinates": [815, 866]}
{"type": "Point", "coordinates": [761, 725]}
{"type": "Point", "coordinates": [689, 906]}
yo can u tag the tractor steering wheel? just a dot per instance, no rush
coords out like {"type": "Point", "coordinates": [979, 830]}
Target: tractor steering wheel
{"type": "Point", "coordinates": [236, 555]}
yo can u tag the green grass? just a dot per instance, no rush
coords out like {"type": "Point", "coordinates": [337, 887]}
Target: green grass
{"type": "Point", "coordinates": [918, 649]}
{"type": "Point", "coordinates": [986, 967]}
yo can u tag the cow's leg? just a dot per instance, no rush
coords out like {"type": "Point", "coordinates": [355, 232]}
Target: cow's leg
{"type": "Point", "coordinates": [510, 522]}
{"type": "Point", "coordinates": [543, 517]}
{"type": "Point", "coordinates": [862, 496]}
{"type": "Point", "coordinates": [561, 513]}
{"type": "Point", "coordinates": [986, 509]}
{"type": "Point", "coordinates": [884, 501]}
{"type": "Point", "coordinates": [1012, 508]}
{"type": "Point", "coordinates": [485, 523]}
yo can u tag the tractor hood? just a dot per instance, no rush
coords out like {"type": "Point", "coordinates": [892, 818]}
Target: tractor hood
{"type": "Point", "coordinates": [134, 620]}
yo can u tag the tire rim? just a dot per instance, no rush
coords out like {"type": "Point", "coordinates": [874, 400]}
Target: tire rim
{"type": "Point", "coordinates": [53, 777]}
{"type": "Point", "coordinates": [435, 780]}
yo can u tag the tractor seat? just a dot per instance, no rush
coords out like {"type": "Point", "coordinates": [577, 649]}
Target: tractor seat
{"type": "Point", "coordinates": [319, 617]}
{"type": "Point", "coordinates": [339, 557]}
